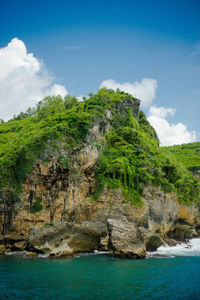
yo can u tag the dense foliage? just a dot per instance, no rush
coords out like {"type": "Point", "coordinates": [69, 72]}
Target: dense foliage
{"type": "Point", "coordinates": [187, 154]}
{"type": "Point", "coordinates": [132, 159]}
{"type": "Point", "coordinates": [24, 138]}
{"type": "Point", "coordinates": [130, 155]}
{"type": "Point", "coordinates": [36, 206]}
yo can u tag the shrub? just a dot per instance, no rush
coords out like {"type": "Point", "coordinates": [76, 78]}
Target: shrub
{"type": "Point", "coordinates": [36, 206]}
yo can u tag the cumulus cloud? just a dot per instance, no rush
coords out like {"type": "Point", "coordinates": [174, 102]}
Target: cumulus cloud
{"type": "Point", "coordinates": [144, 90]}
{"type": "Point", "coordinates": [162, 111]}
{"type": "Point", "coordinates": [57, 89]}
{"type": "Point", "coordinates": [169, 134]}
{"type": "Point", "coordinates": [23, 80]}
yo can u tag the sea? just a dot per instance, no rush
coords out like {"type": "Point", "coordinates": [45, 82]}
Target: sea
{"type": "Point", "coordinates": [168, 273]}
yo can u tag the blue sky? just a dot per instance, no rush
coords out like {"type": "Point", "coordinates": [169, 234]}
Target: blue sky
{"type": "Point", "coordinates": [81, 44]}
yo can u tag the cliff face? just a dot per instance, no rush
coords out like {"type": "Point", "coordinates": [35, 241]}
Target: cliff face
{"type": "Point", "coordinates": [65, 192]}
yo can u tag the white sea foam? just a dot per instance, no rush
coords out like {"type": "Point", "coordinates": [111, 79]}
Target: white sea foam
{"type": "Point", "coordinates": [95, 252]}
{"type": "Point", "coordinates": [100, 252]}
{"type": "Point", "coordinates": [191, 248]}
{"type": "Point", "coordinates": [43, 255]}
{"type": "Point", "coordinates": [23, 254]}
{"type": "Point", "coordinates": [16, 253]}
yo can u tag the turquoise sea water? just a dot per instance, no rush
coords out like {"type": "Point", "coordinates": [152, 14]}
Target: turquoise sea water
{"type": "Point", "coordinates": [99, 277]}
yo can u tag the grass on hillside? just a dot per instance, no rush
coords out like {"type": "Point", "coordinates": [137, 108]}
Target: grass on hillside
{"type": "Point", "coordinates": [187, 154]}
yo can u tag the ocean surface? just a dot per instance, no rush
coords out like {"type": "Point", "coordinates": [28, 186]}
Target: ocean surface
{"type": "Point", "coordinates": [99, 276]}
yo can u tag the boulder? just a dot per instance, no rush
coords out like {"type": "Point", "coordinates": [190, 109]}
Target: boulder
{"type": "Point", "coordinates": [19, 246]}
{"type": "Point", "coordinates": [31, 254]}
{"type": "Point", "coordinates": [45, 248]}
{"type": "Point", "coordinates": [2, 249]}
{"type": "Point", "coordinates": [82, 242]}
{"type": "Point", "coordinates": [62, 250]}
{"type": "Point", "coordinates": [92, 228]}
{"type": "Point", "coordinates": [48, 233]}
{"type": "Point", "coordinates": [125, 239]}
{"type": "Point", "coordinates": [80, 237]}
{"type": "Point", "coordinates": [154, 242]}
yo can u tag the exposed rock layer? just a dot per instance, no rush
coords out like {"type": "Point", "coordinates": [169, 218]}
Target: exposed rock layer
{"type": "Point", "coordinates": [125, 239]}
{"type": "Point", "coordinates": [76, 224]}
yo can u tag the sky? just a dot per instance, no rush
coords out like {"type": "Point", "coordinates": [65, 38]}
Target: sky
{"type": "Point", "coordinates": [148, 48]}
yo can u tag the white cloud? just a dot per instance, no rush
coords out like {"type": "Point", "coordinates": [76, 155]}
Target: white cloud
{"type": "Point", "coordinates": [23, 80]}
{"type": "Point", "coordinates": [144, 90]}
{"type": "Point", "coordinates": [169, 134]}
{"type": "Point", "coordinates": [57, 89]}
{"type": "Point", "coordinates": [162, 111]}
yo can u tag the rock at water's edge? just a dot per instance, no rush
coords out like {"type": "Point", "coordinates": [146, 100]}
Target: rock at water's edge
{"type": "Point", "coordinates": [62, 250]}
{"type": "Point", "coordinates": [154, 242]}
{"type": "Point", "coordinates": [31, 254]}
{"type": "Point", "coordinates": [125, 239]}
{"type": "Point", "coordinates": [2, 249]}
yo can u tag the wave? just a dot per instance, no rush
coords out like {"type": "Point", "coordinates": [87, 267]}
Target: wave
{"type": "Point", "coordinates": [191, 248]}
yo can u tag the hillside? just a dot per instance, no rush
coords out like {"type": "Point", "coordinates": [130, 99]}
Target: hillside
{"type": "Point", "coordinates": [130, 157]}
{"type": "Point", "coordinates": [187, 154]}
{"type": "Point", "coordinates": [78, 176]}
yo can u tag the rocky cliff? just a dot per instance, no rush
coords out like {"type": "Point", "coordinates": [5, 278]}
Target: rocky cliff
{"type": "Point", "coordinates": [58, 214]}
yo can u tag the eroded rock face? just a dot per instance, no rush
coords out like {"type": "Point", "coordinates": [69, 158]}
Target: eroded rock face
{"type": "Point", "coordinates": [61, 239]}
{"type": "Point", "coordinates": [134, 229]}
{"type": "Point", "coordinates": [75, 223]}
{"type": "Point", "coordinates": [44, 239]}
{"type": "Point", "coordinates": [82, 242]}
{"type": "Point", "coordinates": [161, 209]}
{"type": "Point", "coordinates": [189, 214]}
{"type": "Point", "coordinates": [19, 246]}
{"type": "Point", "coordinates": [13, 242]}
{"type": "Point", "coordinates": [65, 191]}
{"type": "Point", "coordinates": [125, 239]}
{"type": "Point", "coordinates": [62, 250]}
{"type": "Point", "coordinates": [182, 232]}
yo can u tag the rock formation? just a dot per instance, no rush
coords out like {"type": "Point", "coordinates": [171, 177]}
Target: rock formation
{"type": "Point", "coordinates": [70, 221]}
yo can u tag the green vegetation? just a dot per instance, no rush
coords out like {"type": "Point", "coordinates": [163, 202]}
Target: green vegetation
{"type": "Point", "coordinates": [36, 206]}
{"type": "Point", "coordinates": [130, 156]}
{"type": "Point", "coordinates": [187, 154]}
{"type": "Point", "coordinates": [132, 159]}
{"type": "Point", "coordinates": [24, 138]}
{"type": "Point", "coordinates": [47, 225]}
{"type": "Point", "coordinates": [64, 162]}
